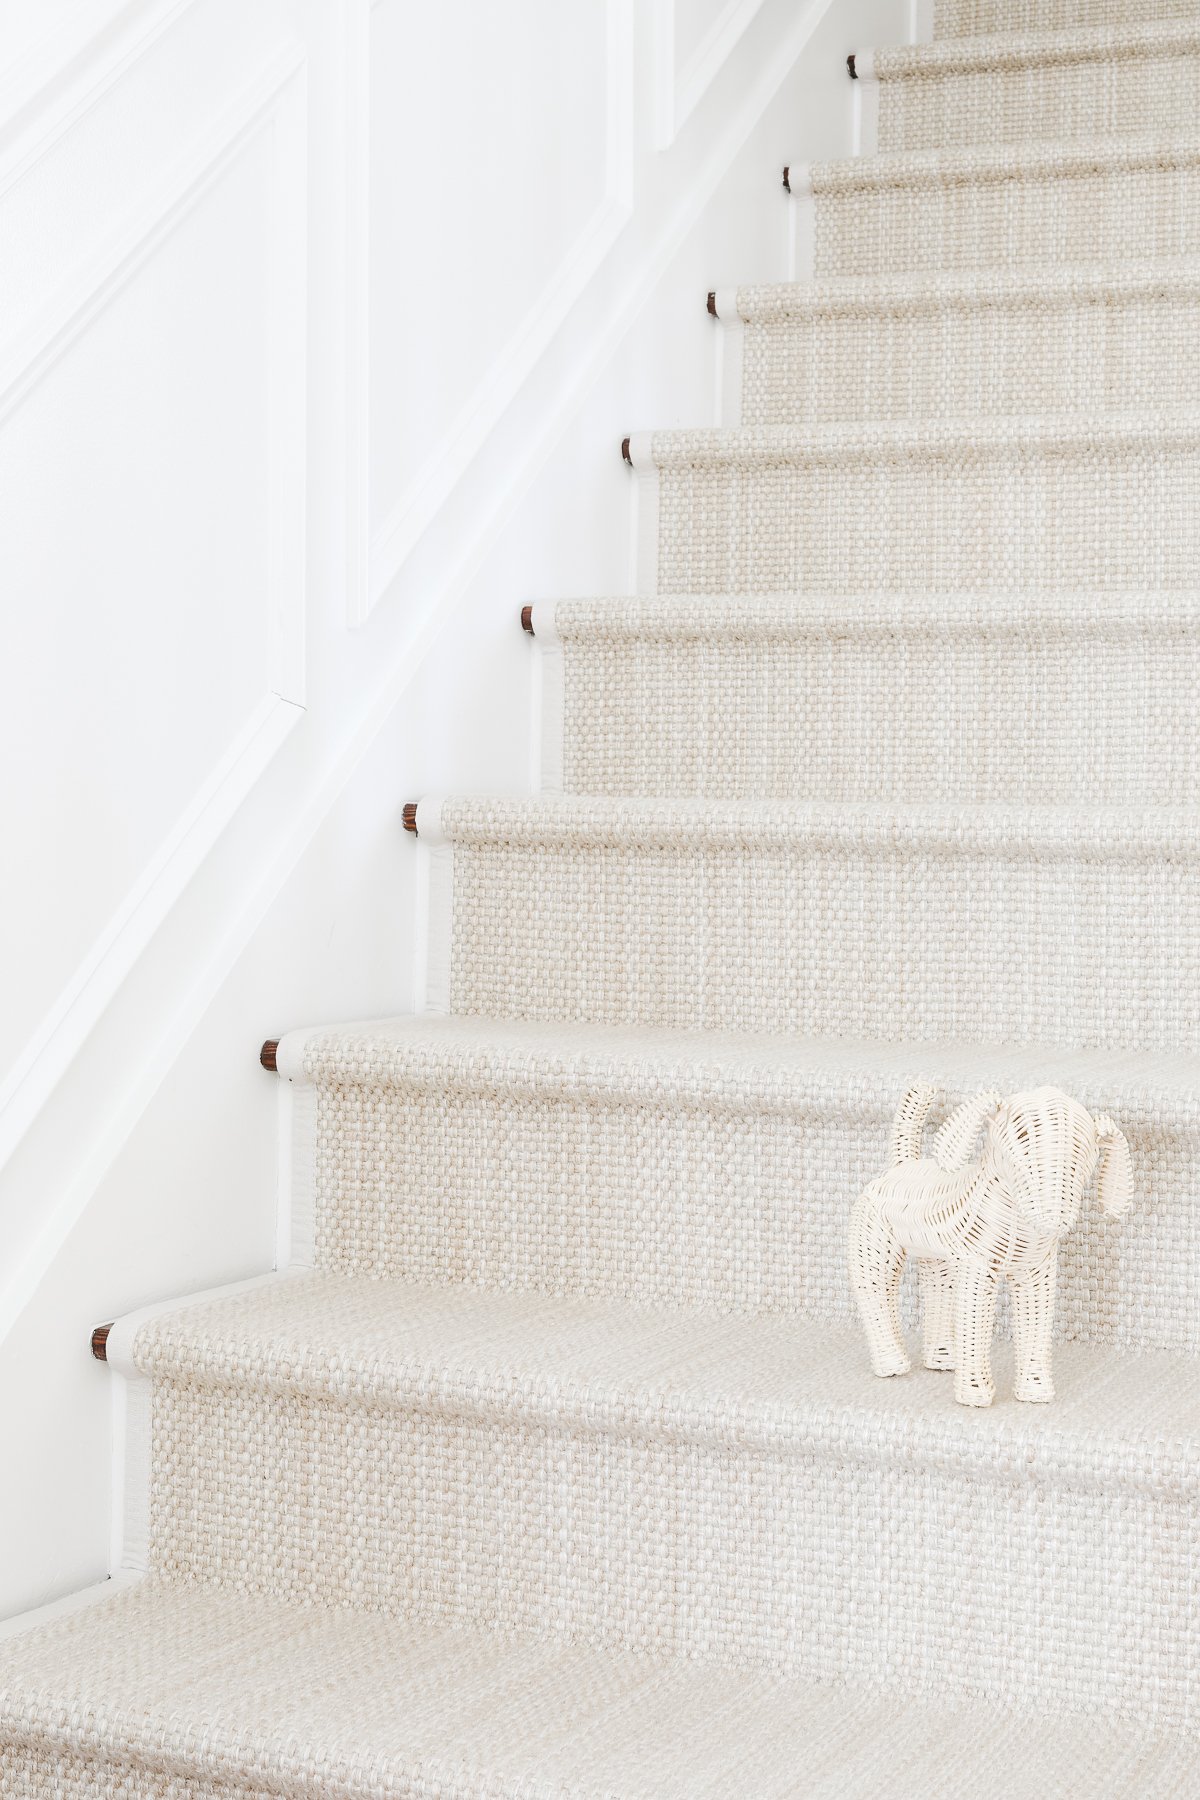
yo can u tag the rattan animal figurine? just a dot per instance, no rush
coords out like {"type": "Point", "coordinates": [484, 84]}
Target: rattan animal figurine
{"type": "Point", "coordinates": [968, 1223]}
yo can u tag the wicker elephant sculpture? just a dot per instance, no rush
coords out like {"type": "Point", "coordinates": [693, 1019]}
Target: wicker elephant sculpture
{"type": "Point", "coordinates": [971, 1222]}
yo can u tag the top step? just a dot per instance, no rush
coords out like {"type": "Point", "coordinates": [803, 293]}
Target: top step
{"type": "Point", "coordinates": [977, 18]}
{"type": "Point", "coordinates": [1009, 88]}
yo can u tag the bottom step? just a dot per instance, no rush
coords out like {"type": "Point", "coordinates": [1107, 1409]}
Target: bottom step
{"type": "Point", "coordinates": [158, 1693]}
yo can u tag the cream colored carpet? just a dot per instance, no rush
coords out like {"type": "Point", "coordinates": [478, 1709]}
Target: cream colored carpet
{"type": "Point", "coordinates": [554, 1467]}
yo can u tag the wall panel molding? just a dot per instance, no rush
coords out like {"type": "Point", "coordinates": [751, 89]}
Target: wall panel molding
{"type": "Point", "coordinates": [451, 455]}
{"type": "Point", "coordinates": [356, 237]}
{"type": "Point", "coordinates": [70, 69]}
{"type": "Point", "coordinates": [678, 91]}
{"type": "Point", "coordinates": [273, 104]}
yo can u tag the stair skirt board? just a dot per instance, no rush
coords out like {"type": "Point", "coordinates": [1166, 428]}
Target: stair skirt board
{"type": "Point", "coordinates": [551, 1466]}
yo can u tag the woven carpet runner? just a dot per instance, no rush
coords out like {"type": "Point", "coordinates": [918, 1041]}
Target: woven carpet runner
{"type": "Point", "coordinates": [553, 1466]}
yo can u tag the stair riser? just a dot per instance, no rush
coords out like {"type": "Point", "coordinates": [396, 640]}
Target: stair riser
{"type": "Point", "coordinates": [662, 1202]}
{"type": "Point", "coordinates": [996, 359]}
{"type": "Point", "coordinates": [988, 518]}
{"type": "Point", "coordinates": [1091, 216]}
{"type": "Point", "coordinates": [1065, 101]}
{"type": "Point", "coordinates": [980, 18]}
{"type": "Point", "coordinates": [701, 1546]}
{"type": "Point", "coordinates": [992, 946]}
{"type": "Point", "coordinates": [1107, 717]}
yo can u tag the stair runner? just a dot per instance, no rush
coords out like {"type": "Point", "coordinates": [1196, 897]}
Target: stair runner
{"type": "Point", "coordinates": [553, 1465]}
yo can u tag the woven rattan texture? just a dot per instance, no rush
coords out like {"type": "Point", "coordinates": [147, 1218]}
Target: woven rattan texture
{"type": "Point", "coordinates": [954, 347]}
{"type": "Point", "coordinates": [938, 98]}
{"type": "Point", "coordinates": [870, 697]}
{"type": "Point", "coordinates": [1020, 206]}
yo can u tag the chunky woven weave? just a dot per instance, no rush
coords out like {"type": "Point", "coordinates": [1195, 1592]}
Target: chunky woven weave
{"type": "Point", "coordinates": [1114, 200]}
{"type": "Point", "coordinates": [350, 1706]}
{"type": "Point", "coordinates": [1008, 89]}
{"type": "Point", "coordinates": [1002, 343]}
{"type": "Point", "coordinates": [978, 18]}
{"type": "Point", "coordinates": [930, 506]}
{"type": "Point", "coordinates": [554, 1467]}
{"type": "Point", "coordinates": [1039, 925]}
{"type": "Point", "coordinates": [695, 1169]}
{"type": "Point", "coordinates": [876, 697]}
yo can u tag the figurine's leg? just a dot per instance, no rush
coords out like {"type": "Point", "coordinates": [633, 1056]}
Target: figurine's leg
{"type": "Point", "coordinates": [1033, 1330]}
{"type": "Point", "coordinates": [937, 1311]}
{"type": "Point", "coordinates": [974, 1323]}
{"type": "Point", "coordinates": [876, 1265]}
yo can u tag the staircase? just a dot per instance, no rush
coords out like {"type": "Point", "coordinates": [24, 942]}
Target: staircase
{"type": "Point", "coordinates": [552, 1466]}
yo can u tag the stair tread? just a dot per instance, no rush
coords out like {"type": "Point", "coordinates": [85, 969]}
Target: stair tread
{"type": "Point", "coordinates": [803, 615]}
{"type": "Point", "coordinates": [1156, 431]}
{"type": "Point", "coordinates": [789, 1384]}
{"type": "Point", "coordinates": [210, 1685]}
{"type": "Point", "coordinates": [1106, 832]}
{"type": "Point", "coordinates": [738, 1067]}
{"type": "Point", "coordinates": [997, 161]}
{"type": "Point", "coordinates": [920, 290]}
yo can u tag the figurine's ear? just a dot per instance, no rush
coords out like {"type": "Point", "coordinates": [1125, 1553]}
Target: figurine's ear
{"type": "Point", "coordinates": [954, 1145]}
{"type": "Point", "coordinates": [1114, 1176]}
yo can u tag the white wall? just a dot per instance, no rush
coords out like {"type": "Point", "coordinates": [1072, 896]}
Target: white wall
{"type": "Point", "coordinates": [320, 326]}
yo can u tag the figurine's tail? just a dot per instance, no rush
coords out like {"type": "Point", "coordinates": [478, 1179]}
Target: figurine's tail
{"type": "Point", "coordinates": [908, 1126]}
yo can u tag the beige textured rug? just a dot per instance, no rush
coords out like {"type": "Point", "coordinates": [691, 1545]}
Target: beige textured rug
{"type": "Point", "coordinates": [554, 1468]}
